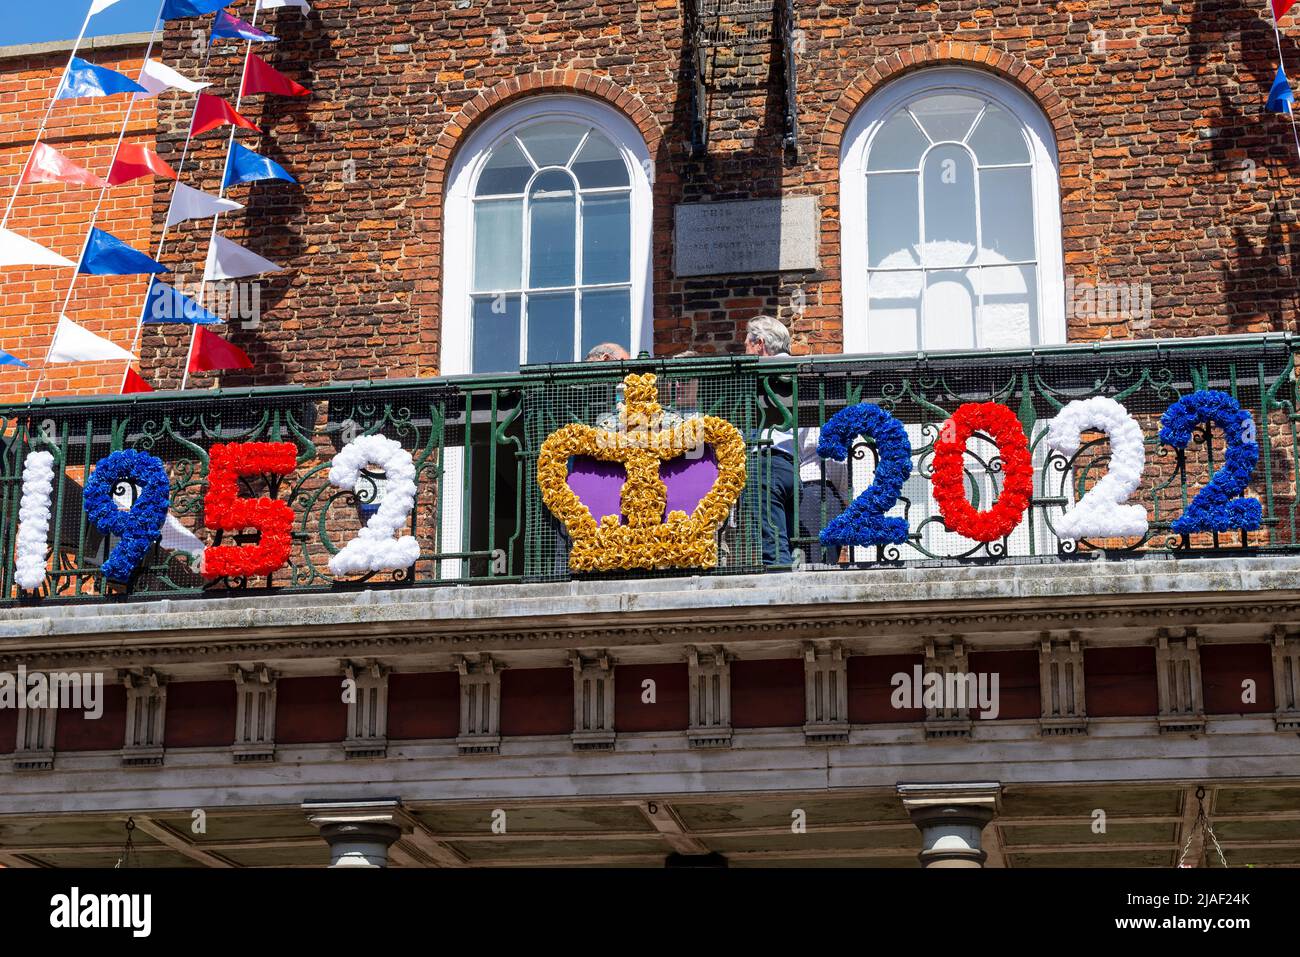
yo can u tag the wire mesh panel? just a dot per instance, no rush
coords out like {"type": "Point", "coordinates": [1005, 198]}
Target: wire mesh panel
{"type": "Point", "coordinates": [473, 510]}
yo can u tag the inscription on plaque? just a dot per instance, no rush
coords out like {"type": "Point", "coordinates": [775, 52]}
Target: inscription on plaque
{"type": "Point", "coordinates": [746, 237]}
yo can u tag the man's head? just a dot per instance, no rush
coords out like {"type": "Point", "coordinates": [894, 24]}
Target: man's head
{"type": "Point", "coordinates": [606, 352]}
{"type": "Point", "coordinates": [764, 336]}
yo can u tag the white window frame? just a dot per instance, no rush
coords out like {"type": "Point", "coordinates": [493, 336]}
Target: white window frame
{"type": "Point", "coordinates": [456, 354]}
{"type": "Point", "coordinates": [862, 128]}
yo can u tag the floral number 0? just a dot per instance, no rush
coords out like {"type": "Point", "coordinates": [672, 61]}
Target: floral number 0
{"type": "Point", "coordinates": [1219, 507]}
{"type": "Point", "coordinates": [1001, 424]}
{"type": "Point", "coordinates": [1103, 510]}
{"type": "Point", "coordinates": [864, 522]}
{"type": "Point", "coordinates": [376, 549]}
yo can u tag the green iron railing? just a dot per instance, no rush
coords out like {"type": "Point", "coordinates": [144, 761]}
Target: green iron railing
{"type": "Point", "coordinates": [478, 513]}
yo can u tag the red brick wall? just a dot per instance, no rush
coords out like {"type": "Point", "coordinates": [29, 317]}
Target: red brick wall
{"type": "Point", "coordinates": [1154, 132]}
{"type": "Point", "coordinates": [58, 216]}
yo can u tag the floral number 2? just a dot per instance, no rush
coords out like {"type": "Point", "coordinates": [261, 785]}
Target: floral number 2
{"type": "Point", "coordinates": [1103, 512]}
{"type": "Point", "coordinates": [864, 522]}
{"type": "Point", "coordinates": [1219, 507]}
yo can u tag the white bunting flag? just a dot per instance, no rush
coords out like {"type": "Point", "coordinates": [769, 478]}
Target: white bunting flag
{"type": "Point", "coordinates": [17, 250]}
{"type": "Point", "coordinates": [190, 203]}
{"type": "Point", "coordinates": [178, 538]}
{"type": "Point", "coordinates": [157, 77]}
{"type": "Point", "coordinates": [227, 260]}
{"type": "Point", "coordinates": [74, 343]}
{"type": "Point", "coordinates": [98, 6]}
{"type": "Point", "coordinates": [277, 4]}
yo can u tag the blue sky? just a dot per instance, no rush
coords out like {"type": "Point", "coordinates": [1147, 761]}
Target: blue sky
{"type": "Point", "coordinates": [33, 21]}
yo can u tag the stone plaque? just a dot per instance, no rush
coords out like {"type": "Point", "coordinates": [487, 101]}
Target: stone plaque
{"type": "Point", "coordinates": [745, 237]}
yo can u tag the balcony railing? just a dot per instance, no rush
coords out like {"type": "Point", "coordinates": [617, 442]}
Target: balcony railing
{"type": "Point", "coordinates": [479, 516]}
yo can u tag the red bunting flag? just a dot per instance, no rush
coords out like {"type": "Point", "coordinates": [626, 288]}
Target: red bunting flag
{"type": "Point", "coordinates": [1280, 7]}
{"type": "Point", "coordinates": [261, 77]}
{"type": "Point", "coordinates": [213, 111]}
{"type": "Point", "coordinates": [135, 160]}
{"type": "Point", "coordinates": [134, 383]}
{"type": "Point", "coordinates": [211, 353]}
{"type": "Point", "coordinates": [48, 165]}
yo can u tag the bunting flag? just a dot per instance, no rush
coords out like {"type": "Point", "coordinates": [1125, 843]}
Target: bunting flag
{"type": "Point", "coordinates": [18, 250]}
{"type": "Point", "coordinates": [158, 77]}
{"type": "Point", "coordinates": [134, 383]}
{"type": "Point", "coordinates": [245, 166]}
{"type": "Point", "coordinates": [1280, 7]}
{"type": "Point", "coordinates": [106, 255]}
{"type": "Point", "coordinates": [280, 4]}
{"type": "Point", "coordinates": [165, 304]}
{"type": "Point", "coordinates": [211, 353]}
{"type": "Point", "coordinates": [227, 260]}
{"type": "Point", "coordinates": [74, 343]}
{"type": "Point", "coordinates": [86, 79]}
{"type": "Point", "coordinates": [190, 203]}
{"type": "Point", "coordinates": [99, 6]}
{"type": "Point", "coordinates": [212, 111]}
{"type": "Point", "coordinates": [135, 160]}
{"type": "Point", "coordinates": [261, 77]}
{"type": "Point", "coordinates": [232, 28]}
{"type": "Point", "coordinates": [7, 360]}
{"type": "Point", "coordinates": [1280, 96]}
{"type": "Point", "coordinates": [180, 9]}
{"type": "Point", "coordinates": [48, 165]}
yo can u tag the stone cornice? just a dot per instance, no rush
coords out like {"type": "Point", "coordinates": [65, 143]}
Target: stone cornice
{"type": "Point", "coordinates": [1023, 600]}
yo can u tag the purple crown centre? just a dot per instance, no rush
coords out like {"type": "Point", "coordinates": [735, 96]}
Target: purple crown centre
{"type": "Point", "coordinates": [598, 484]}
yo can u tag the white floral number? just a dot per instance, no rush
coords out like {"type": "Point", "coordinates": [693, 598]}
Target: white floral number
{"type": "Point", "coordinates": [34, 521]}
{"type": "Point", "coordinates": [376, 547]}
{"type": "Point", "coordinates": [1103, 512]}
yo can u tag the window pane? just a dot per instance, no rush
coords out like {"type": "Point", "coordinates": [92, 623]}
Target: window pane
{"type": "Point", "coordinates": [893, 219]}
{"type": "Point", "coordinates": [894, 311]}
{"type": "Point", "coordinates": [949, 183]}
{"type": "Point", "coordinates": [553, 236]}
{"type": "Point", "coordinates": [950, 300]}
{"type": "Point", "coordinates": [606, 238]}
{"type": "Point", "coordinates": [606, 317]}
{"type": "Point", "coordinates": [506, 172]}
{"type": "Point", "coordinates": [550, 327]}
{"type": "Point", "coordinates": [898, 145]}
{"type": "Point", "coordinates": [496, 334]}
{"type": "Point", "coordinates": [1006, 215]}
{"type": "Point", "coordinates": [552, 143]}
{"type": "Point", "coordinates": [599, 164]}
{"type": "Point", "coordinates": [498, 244]}
{"type": "Point", "coordinates": [1010, 313]}
{"type": "Point", "coordinates": [998, 138]}
{"type": "Point", "coordinates": [946, 116]}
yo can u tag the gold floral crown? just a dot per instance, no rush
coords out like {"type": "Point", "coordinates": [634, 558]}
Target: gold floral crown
{"type": "Point", "coordinates": [640, 444]}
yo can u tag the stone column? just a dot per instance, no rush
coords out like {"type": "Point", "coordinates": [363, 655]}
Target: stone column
{"type": "Point", "coordinates": [951, 818]}
{"type": "Point", "coordinates": [359, 833]}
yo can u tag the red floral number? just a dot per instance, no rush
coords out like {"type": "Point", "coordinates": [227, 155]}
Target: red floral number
{"type": "Point", "coordinates": [224, 510]}
{"type": "Point", "coordinates": [1001, 425]}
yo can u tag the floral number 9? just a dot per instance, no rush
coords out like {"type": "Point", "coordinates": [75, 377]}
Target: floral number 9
{"type": "Point", "coordinates": [1102, 512]}
{"type": "Point", "coordinates": [1219, 507]}
{"type": "Point", "coordinates": [139, 527]}
{"type": "Point", "coordinates": [864, 522]}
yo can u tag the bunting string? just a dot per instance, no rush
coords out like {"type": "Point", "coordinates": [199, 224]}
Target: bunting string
{"type": "Point", "coordinates": [103, 191]}
{"type": "Point", "coordinates": [1281, 66]}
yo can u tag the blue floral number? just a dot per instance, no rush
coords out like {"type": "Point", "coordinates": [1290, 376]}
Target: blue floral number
{"type": "Point", "coordinates": [138, 527]}
{"type": "Point", "coordinates": [1219, 507]}
{"type": "Point", "coordinates": [864, 522]}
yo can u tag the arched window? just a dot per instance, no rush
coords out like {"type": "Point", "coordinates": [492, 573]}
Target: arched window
{"type": "Point", "coordinates": [547, 238]}
{"type": "Point", "coordinates": [950, 218]}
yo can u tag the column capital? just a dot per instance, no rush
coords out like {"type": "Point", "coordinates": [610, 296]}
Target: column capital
{"type": "Point", "coordinates": [950, 818]}
{"type": "Point", "coordinates": [359, 833]}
